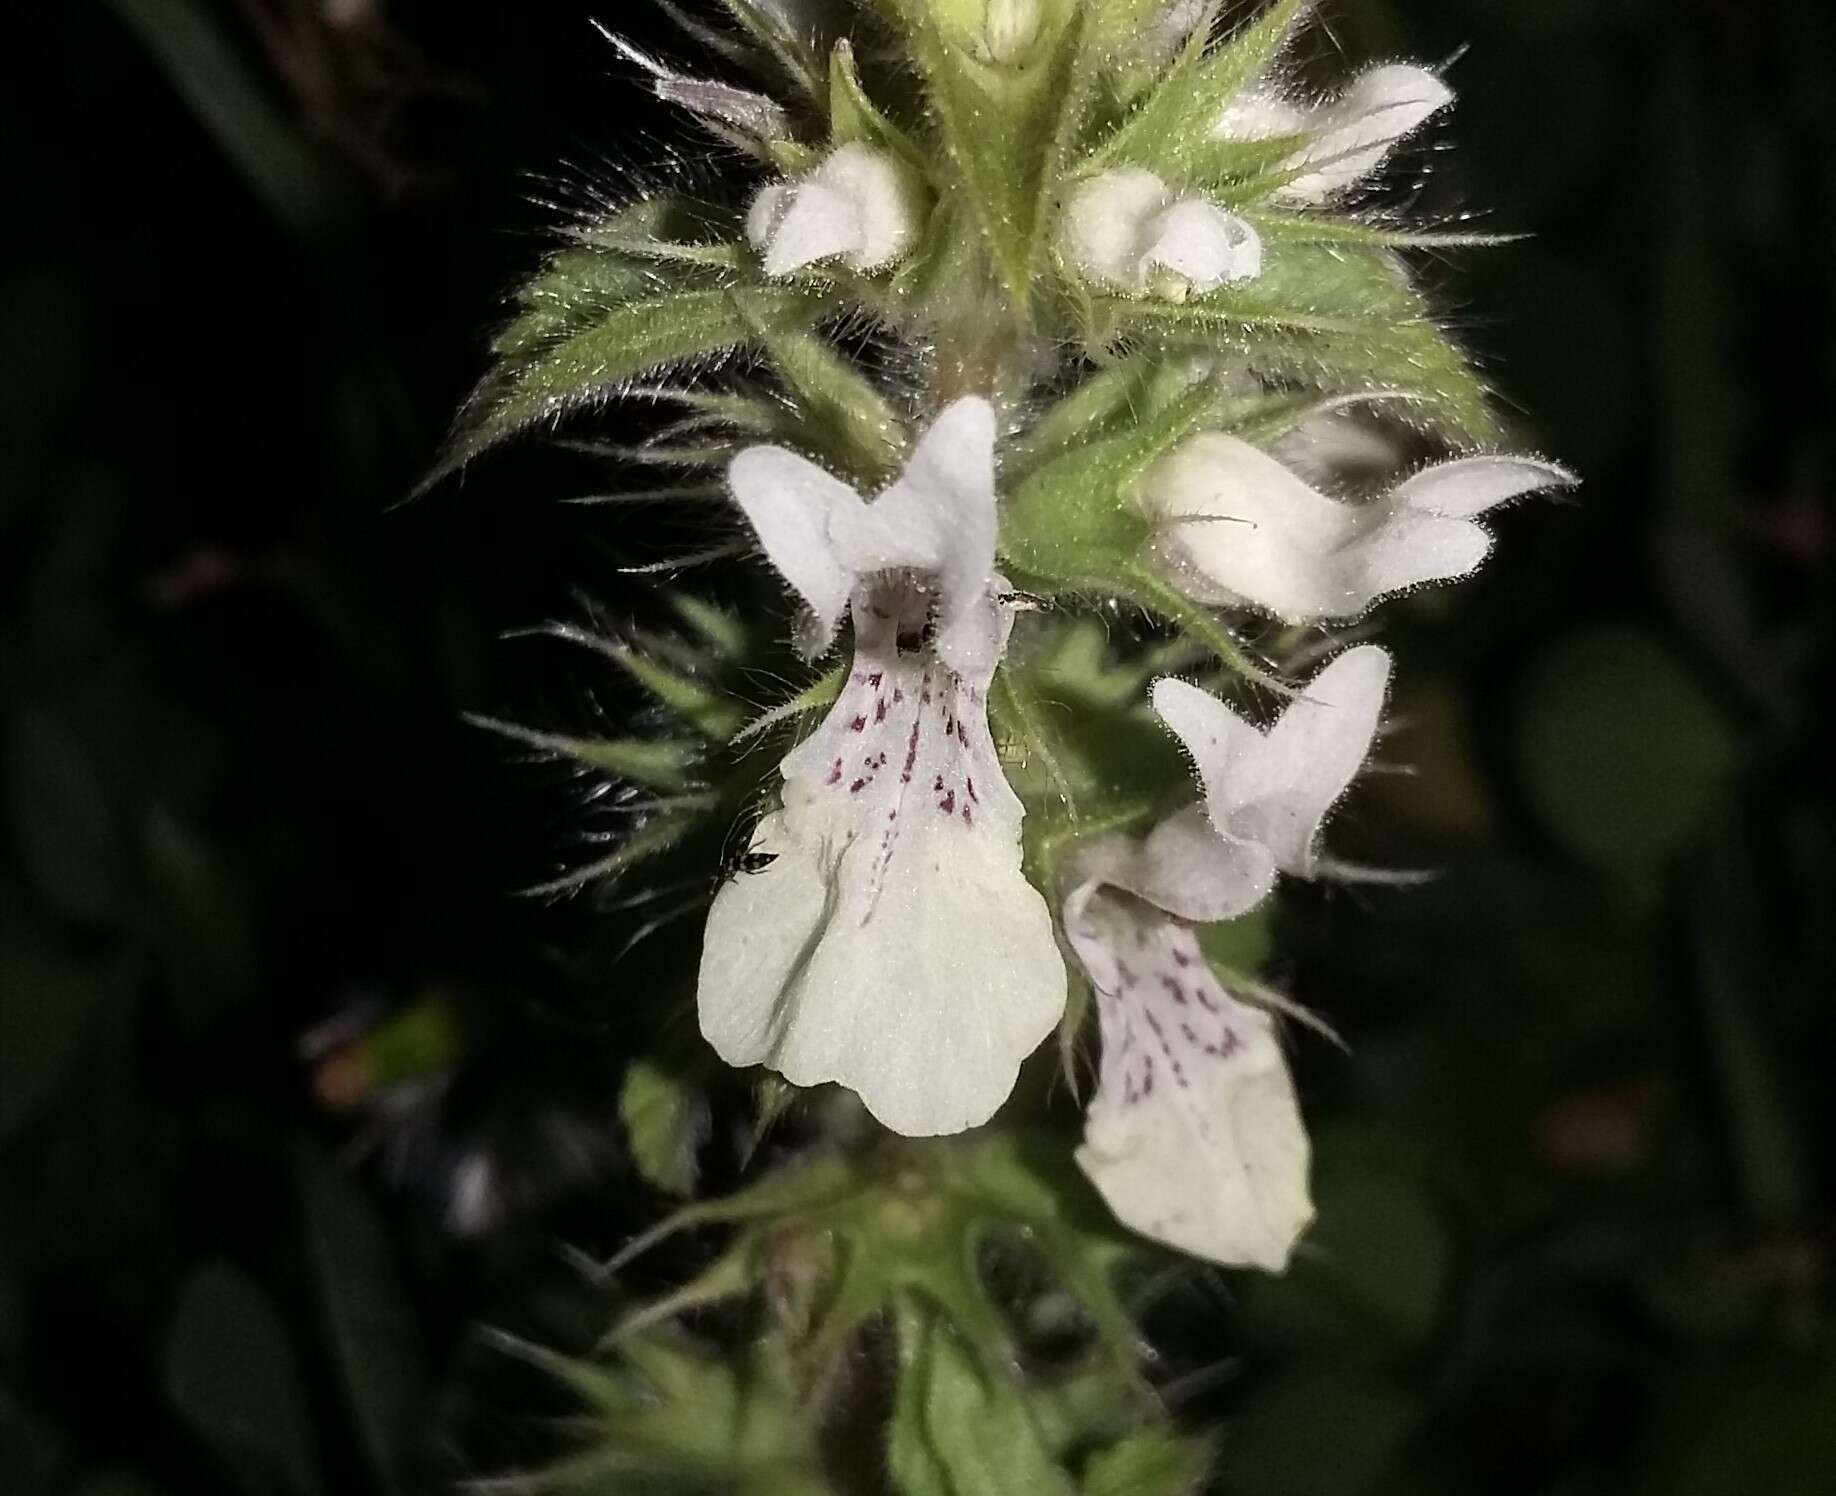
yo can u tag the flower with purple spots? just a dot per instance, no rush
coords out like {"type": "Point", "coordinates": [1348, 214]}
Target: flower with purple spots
{"type": "Point", "coordinates": [1194, 1136]}
{"type": "Point", "coordinates": [892, 943]}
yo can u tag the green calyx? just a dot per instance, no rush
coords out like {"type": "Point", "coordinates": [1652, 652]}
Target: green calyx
{"type": "Point", "coordinates": [904, 1255]}
{"type": "Point", "coordinates": [841, 1237]}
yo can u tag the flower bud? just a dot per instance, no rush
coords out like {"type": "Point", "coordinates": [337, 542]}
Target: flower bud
{"type": "Point", "coordinates": [1127, 231]}
{"type": "Point", "coordinates": [1004, 32]}
{"type": "Point", "coordinates": [1011, 28]}
{"type": "Point", "coordinates": [861, 206]}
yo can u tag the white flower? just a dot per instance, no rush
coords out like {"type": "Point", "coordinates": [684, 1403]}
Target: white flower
{"type": "Point", "coordinates": [1127, 230]}
{"type": "Point", "coordinates": [1194, 1137]}
{"type": "Point", "coordinates": [1349, 137]}
{"type": "Point", "coordinates": [1233, 526]}
{"type": "Point", "coordinates": [860, 206]}
{"type": "Point", "coordinates": [891, 943]}
{"type": "Point", "coordinates": [1273, 789]}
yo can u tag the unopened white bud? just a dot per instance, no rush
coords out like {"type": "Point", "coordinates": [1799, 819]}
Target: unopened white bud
{"type": "Point", "coordinates": [860, 206]}
{"type": "Point", "coordinates": [1128, 231]}
{"type": "Point", "coordinates": [1011, 28]}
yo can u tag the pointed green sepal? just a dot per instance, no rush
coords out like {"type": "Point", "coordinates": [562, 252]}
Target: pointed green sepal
{"type": "Point", "coordinates": [656, 763]}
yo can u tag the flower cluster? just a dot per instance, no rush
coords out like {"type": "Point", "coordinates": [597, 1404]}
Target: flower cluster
{"type": "Point", "coordinates": [1063, 311]}
{"type": "Point", "coordinates": [890, 940]}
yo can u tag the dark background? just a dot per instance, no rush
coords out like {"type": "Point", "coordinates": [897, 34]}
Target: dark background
{"type": "Point", "coordinates": [295, 1094]}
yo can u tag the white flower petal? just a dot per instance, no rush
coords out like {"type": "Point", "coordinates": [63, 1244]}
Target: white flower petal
{"type": "Point", "coordinates": [1187, 868]}
{"type": "Point", "coordinates": [1235, 526]}
{"type": "Point", "coordinates": [940, 517]}
{"type": "Point", "coordinates": [857, 206]}
{"type": "Point", "coordinates": [792, 505]}
{"type": "Point", "coordinates": [1274, 789]}
{"type": "Point", "coordinates": [1373, 115]}
{"type": "Point", "coordinates": [1198, 241]}
{"type": "Point", "coordinates": [809, 221]}
{"type": "Point", "coordinates": [1471, 485]}
{"type": "Point", "coordinates": [1408, 549]}
{"type": "Point", "coordinates": [894, 945]}
{"type": "Point", "coordinates": [938, 520]}
{"type": "Point", "coordinates": [1350, 136]}
{"type": "Point", "coordinates": [1104, 221]}
{"type": "Point", "coordinates": [1162, 39]}
{"type": "Point", "coordinates": [1260, 114]}
{"type": "Point", "coordinates": [1194, 1137]}
{"type": "Point", "coordinates": [1123, 227]}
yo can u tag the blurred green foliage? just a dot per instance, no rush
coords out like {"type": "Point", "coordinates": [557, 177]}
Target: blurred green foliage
{"type": "Point", "coordinates": [294, 1095]}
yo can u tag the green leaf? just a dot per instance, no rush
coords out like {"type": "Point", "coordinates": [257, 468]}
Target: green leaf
{"type": "Point", "coordinates": [1083, 412]}
{"type": "Point", "coordinates": [1622, 754]}
{"type": "Point", "coordinates": [666, 228]}
{"type": "Point", "coordinates": [853, 116]}
{"type": "Point", "coordinates": [843, 414]}
{"type": "Point", "coordinates": [1001, 128]}
{"type": "Point", "coordinates": [666, 1118]}
{"type": "Point", "coordinates": [1075, 520]}
{"type": "Point", "coordinates": [657, 763]}
{"type": "Point", "coordinates": [570, 290]}
{"type": "Point", "coordinates": [714, 625]}
{"type": "Point", "coordinates": [369, 1326]}
{"type": "Point", "coordinates": [586, 349]}
{"type": "Point", "coordinates": [668, 1418]}
{"type": "Point", "coordinates": [1155, 1462]}
{"type": "Point", "coordinates": [710, 712]}
{"type": "Point", "coordinates": [1287, 228]}
{"type": "Point", "coordinates": [958, 1428]}
{"type": "Point", "coordinates": [1349, 334]}
{"type": "Point", "coordinates": [231, 1373]}
{"type": "Point", "coordinates": [1335, 317]}
{"type": "Point", "coordinates": [768, 27]}
{"type": "Point", "coordinates": [1174, 123]}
